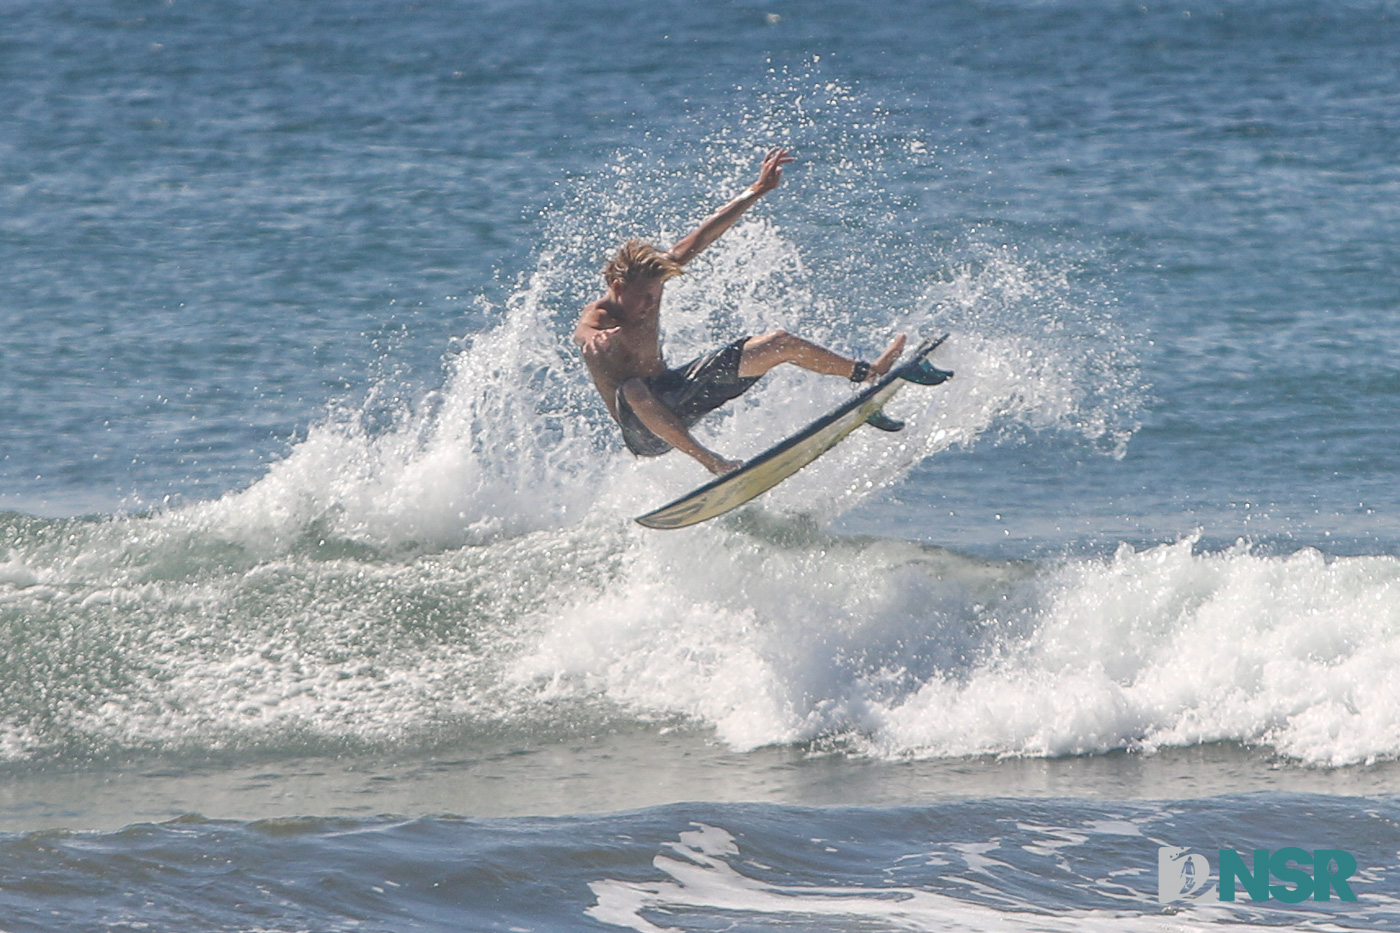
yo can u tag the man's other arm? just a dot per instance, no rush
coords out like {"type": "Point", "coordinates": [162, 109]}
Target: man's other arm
{"type": "Point", "coordinates": [769, 177]}
{"type": "Point", "coordinates": [593, 335]}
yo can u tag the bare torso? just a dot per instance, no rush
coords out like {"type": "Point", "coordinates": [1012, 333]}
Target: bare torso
{"type": "Point", "coordinates": [621, 340]}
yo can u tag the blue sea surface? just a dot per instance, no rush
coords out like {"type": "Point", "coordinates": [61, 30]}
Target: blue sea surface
{"type": "Point", "coordinates": [955, 865]}
{"type": "Point", "coordinates": [321, 603]}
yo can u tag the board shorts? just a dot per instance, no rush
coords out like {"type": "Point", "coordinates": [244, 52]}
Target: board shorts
{"type": "Point", "coordinates": [690, 391]}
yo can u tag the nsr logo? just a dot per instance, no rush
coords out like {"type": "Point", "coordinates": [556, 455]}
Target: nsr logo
{"type": "Point", "coordinates": [1184, 875]}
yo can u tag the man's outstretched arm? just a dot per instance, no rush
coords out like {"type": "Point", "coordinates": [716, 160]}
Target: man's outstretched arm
{"type": "Point", "coordinates": [661, 421]}
{"type": "Point", "coordinates": [769, 177]}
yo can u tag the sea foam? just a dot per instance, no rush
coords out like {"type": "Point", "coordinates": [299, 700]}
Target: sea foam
{"type": "Point", "coordinates": [894, 651]}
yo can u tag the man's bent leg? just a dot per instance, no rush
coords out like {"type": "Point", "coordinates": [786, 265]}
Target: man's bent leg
{"type": "Point", "coordinates": [661, 421]}
{"type": "Point", "coordinates": [765, 351]}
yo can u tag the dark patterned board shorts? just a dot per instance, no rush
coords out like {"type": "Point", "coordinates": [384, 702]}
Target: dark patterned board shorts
{"type": "Point", "coordinates": [691, 391]}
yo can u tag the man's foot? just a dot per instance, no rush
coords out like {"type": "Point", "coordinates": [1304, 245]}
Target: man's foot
{"type": "Point", "coordinates": [715, 463]}
{"type": "Point", "coordinates": [885, 362]}
{"type": "Point", "coordinates": [722, 466]}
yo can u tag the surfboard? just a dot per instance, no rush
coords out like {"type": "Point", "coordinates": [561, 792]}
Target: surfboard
{"type": "Point", "coordinates": [780, 461]}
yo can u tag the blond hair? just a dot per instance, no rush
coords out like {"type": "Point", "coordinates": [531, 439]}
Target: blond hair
{"type": "Point", "coordinates": [637, 261]}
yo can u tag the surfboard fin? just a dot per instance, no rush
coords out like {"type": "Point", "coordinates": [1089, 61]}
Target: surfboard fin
{"type": "Point", "coordinates": [924, 373]}
{"type": "Point", "coordinates": [878, 419]}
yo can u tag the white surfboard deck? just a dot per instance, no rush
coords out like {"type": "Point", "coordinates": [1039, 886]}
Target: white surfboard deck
{"type": "Point", "coordinates": [777, 463]}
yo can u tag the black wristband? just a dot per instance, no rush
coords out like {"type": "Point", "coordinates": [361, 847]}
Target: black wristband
{"type": "Point", "coordinates": [860, 371]}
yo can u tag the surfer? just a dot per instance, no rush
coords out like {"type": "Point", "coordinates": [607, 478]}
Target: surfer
{"type": "Point", "coordinates": [619, 336]}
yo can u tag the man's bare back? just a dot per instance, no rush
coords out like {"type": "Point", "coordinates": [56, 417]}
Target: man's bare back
{"type": "Point", "coordinates": [619, 336]}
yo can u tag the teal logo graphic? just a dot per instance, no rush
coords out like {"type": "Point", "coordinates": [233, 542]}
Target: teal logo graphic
{"type": "Point", "coordinates": [1290, 874]}
{"type": "Point", "coordinates": [1181, 874]}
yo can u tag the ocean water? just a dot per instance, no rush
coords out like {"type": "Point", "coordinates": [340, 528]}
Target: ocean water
{"type": "Point", "coordinates": [321, 605]}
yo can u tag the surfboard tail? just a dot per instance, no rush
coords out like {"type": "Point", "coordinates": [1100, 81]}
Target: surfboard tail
{"type": "Point", "coordinates": [882, 421]}
{"type": "Point", "coordinates": [919, 370]}
{"type": "Point", "coordinates": [925, 374]}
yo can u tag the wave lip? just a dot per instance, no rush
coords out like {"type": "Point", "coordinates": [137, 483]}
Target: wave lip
{"type": "Point", "coordinates": [891, 650]}
{"type": "Point", "coordinates": [1171, 647]}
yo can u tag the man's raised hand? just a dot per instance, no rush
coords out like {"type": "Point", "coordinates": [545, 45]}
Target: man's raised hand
{"type": "Point", "coordinates": [770, 175]}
